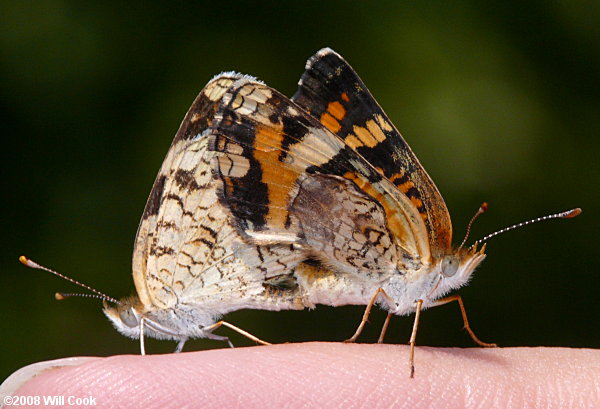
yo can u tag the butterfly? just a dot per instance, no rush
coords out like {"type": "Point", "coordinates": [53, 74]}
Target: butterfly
{"type": "Point", "coordinates": [328, 176]}
{"type": "Point", "coordinates": [185, 268]}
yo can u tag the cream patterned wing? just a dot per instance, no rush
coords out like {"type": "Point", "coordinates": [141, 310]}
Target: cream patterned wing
{"type": "Point", "coordinates": [148, 253]}
{"type": "Point", "coordinates": [184, 251]}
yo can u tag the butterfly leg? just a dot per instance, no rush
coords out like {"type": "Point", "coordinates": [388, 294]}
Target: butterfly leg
{"type": "Point", "coordinates": [248, 335]}
{"type": "Point", "coordinates": [142, 347]}
{"type": "Point", "coordinates": [219, 338]}
{"type": "Point", "coordinates": [365, 317]}
{"type": "Point", "coordinates": [180, 345]}
{"type": "Point", "coordinates": [458, 299]}
{"type": "Point", "coordinates": [384, 328]}
{"type": "Point", "coordinates": [413, 338]}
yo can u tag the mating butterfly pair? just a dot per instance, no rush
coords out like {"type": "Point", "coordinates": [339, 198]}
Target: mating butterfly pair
{"type": "Point", "coordinates": [267, 202]}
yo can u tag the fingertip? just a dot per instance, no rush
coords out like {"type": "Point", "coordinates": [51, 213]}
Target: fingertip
{"type": "Point", "coordinates": [333, 375]}
{"type": "Point", "coordinates": [24, 375]}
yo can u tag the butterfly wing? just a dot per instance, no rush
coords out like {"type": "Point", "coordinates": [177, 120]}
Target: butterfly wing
{"type": "Point", "coordinates": [287, 179]}
{"type": "Point", "coordinates": [185, 246]}
{"type": "Point", "coordinates": [331, 91]}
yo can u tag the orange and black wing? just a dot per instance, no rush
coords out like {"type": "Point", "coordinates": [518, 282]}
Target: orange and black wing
{"type": "Point", "coordinates": [332, 92]}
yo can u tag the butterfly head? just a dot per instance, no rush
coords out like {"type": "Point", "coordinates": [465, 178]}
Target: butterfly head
{"type": "Point", "coordinates": [455, 269]}
{"type": "Point", "coordinates": [125, 316]}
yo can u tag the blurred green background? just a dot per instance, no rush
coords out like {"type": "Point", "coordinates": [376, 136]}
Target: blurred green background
{"type": "Point", "coordinates": [500, 101]}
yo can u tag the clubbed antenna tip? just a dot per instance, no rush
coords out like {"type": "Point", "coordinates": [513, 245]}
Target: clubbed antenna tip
{"type": "Point", "coordinates": [482, 209]}
{"type": "Point", "coordinates": [571, 213]}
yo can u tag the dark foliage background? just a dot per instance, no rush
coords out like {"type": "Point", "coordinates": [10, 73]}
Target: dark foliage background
{"type": "Point", "coordinates": [500, 101]}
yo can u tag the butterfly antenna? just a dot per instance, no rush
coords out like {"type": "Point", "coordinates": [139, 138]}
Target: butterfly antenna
{"type": "Point", "coordinates": [60, 296]}
{"type": "Point", "coordinates": [564, 215]}
{"type": "Point", "coordinates": [482, 209]}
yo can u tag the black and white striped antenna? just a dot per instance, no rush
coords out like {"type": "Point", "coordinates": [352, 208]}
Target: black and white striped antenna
{"type": "Point", "coordinates": [563, 215]}
{"type": "Point", "coordinates": [62, 296]}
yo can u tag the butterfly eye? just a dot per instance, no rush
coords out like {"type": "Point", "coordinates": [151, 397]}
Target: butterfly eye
{"type": "Point", "coordinates": [449, 266]}
{"type": "Point", "coordinates": [128, 317]}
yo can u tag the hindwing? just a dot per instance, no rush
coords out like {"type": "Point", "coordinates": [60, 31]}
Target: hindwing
{"type": "Point", "coordinates": [186, 249]}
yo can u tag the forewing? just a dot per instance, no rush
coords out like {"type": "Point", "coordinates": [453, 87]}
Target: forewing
{"type": "Point", "coordinates": [268, 148]}
{"type": "Point", "coordinates": [331, 91]}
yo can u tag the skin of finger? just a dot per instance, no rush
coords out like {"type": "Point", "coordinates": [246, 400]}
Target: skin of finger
{"type": "Point", "coordinates": [335, 375]}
